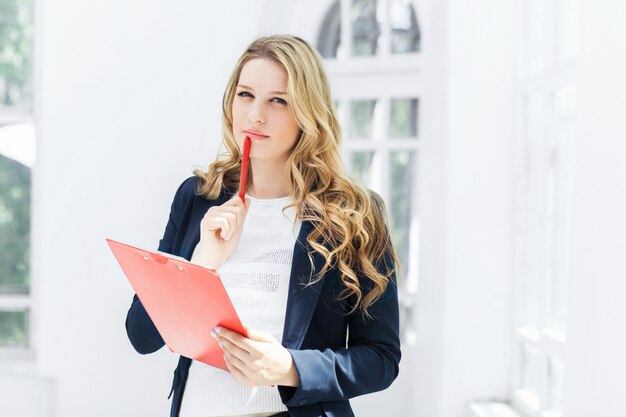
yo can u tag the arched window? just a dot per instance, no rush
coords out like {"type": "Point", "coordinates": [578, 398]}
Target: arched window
{"type": "Point", "coordinates": [373, 57]}
{"type": "Point", "coordinates": [366, 29]}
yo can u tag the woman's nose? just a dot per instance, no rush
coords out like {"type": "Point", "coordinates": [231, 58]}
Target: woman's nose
{"type": "Point", "coordinates": [255, 115]}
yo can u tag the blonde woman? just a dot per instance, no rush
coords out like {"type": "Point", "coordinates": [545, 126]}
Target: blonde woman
{"type": "Point", "coordinates": [306, 259]}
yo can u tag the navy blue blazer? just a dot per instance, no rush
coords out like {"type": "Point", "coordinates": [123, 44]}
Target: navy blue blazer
{"type": "Point", "coordinates": [337, 355]}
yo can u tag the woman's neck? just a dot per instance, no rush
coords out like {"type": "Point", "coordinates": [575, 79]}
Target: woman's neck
{"type": "Point", "coordinates": [267, 179]}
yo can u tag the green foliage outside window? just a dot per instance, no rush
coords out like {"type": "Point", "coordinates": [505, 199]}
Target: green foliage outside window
{"type": "Point", "coordinates": [14, 226]}
{"type": "Point", "coordinates": [16, 53]}
{"type": "Point", "coordinates": [14, 329]}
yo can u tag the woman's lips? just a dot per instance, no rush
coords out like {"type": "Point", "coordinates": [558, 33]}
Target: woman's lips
{"type": "Point", "coordinates": [255, 135]}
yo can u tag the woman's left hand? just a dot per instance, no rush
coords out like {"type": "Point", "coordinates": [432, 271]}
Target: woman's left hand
{"type": "Point", "coordinates": [257, 360]}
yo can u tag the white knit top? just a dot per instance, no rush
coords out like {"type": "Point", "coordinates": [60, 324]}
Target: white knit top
{"type": "Point", "coordinates": [256, 278]}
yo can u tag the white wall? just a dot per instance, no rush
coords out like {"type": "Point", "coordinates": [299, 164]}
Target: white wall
{"type": "Point", "coordinates": [596, 343]}
{"type": "Point", "coordinates": [130, 101]}
{"type": "Point", "coordinates": [464, 310]}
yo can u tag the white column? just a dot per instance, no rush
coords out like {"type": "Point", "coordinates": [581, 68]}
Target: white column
{"type": "Point", "coordinates": [464, 306]}
{"type": "Point", "coordinates": [596, 322]}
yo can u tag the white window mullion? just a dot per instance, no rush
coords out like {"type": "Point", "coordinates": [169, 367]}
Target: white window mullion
{"type": "Point", "coordinates": [342, 114]}
{"type": "Point", "coordinates": [345, 46]}
{"type": "Point", "coordinates": [546, 341]}
{"type": "Point", "coordinates": [15, 302]}
{"type": "Point", "coordinates": [384, 40]}
{"type": "Point", "coordinates": [385, 153]}
{"type": "Point", "coordinates": [11, 116]}
{"type": "Point", "coordinates": [396, 144]}
{"type": "Point", "coordinates": [391, 65]}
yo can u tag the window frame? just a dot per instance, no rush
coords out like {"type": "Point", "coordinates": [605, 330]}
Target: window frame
{"type": "Point", "coordinates": [552, 76]}
{"type": "Point", "coordinates": [383, 77]}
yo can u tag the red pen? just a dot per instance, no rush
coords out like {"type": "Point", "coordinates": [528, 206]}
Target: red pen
{"type": "Point", "coordinates": [245, 159]}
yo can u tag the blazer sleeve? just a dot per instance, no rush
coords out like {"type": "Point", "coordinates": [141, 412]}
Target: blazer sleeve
{"type": "Point", "coordinates": [369, 363]}
{"type": "Point", "coordinates": [142, 333]}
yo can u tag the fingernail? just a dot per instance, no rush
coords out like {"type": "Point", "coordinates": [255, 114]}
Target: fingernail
{"type": "Point", "coordinates": [214, 334]}
{"type": "Point", "coordinates": [218, 329]}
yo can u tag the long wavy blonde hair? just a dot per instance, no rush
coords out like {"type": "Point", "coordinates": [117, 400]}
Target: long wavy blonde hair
{"type": "Point", "coordinates": [349, 222]}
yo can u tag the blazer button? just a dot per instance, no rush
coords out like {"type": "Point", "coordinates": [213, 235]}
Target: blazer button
{"type": "Point", "coordinates": [303, 401]}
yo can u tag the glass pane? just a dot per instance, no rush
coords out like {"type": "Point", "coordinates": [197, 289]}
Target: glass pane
{"type": "Point", "coordinates": [536, 242]}
{"type": "Point", "coordinates": [567, 29]}
{"type": "Point", "coordinates": [16, 54]}
{"type": "Point", "coordinates": [563, 131]}
{"type": "Point", "coordinates": [556, 376]}
{"type": "Point", "coordinates": [534, 297]}
{"type": "Point", "coordinates": [535, 114]}
{"type": "Point", "coordinates": [405, 33]}
{"type": "Point", "coordinates": [564, 102]}
{"type": "Point", "coordinates": [365, 27]}
{"type": "Point", "coordinates": [14, 328]}
{"type": "Point", "coordinates": [363, 119]}
{"type": "Point", "coordinates": [535, 127]}
{"type": "Point", "coordinates": [534, 377]}
{"type": "Point", "coordinates": [536, 35]}
{"type": "Point", "coordinates": [329, 38]}
{"type": "Point", "coordinates": [361, 165]}
{"type": "Point", "coordinates": [403, 190]}
{"type": "Point", "coordinates": [339, 111]}
{"type": "Point", "coordinates": [403, 118]}
{"type": "Point", "coordinates": [14, 226]}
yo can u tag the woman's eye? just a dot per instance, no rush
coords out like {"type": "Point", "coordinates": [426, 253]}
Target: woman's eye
{"type": "Point", "coordinates": [244, 94]}
{"type": "Point", "coordinates": [279, 100]}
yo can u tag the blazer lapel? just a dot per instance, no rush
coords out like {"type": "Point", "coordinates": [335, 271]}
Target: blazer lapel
{"type": "Point", "coordinates": [302, 299]}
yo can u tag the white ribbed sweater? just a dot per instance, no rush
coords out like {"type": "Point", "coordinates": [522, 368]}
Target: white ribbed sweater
{"type": "Point", "coordinates": [256, 278]}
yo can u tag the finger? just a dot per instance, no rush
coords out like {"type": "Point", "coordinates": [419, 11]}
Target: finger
{"type": "Point", "coordinates": [260, 336]}
{"type": "Point", "coordinates": [235, 201]}
{"type": "Point", "coordinates": [236, 371]}
{"type": "Point", "coordinates": [242, 213]}
{"type": "Point", "coordinates": [233, 349]}
{"type": "Point", "coordinates": [241, 365]}
{"type": "Point", "coordinates": [221, 209]}
{"type": "Point", "coordinates": [234, 337]}
{"type": "Point", "coordinates": [234, 214]}
{"type": "Point", "coordinates": [231, 218]}
{"type": "Point", "coordinates": [213, 224]}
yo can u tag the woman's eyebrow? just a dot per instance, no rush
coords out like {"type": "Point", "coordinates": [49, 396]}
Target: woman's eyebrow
{"type": "Point", "coordinates": [252, 89]}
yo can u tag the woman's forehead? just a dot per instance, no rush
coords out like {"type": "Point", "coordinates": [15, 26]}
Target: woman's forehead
{"type": "Point", "coordinates": [263, 74]}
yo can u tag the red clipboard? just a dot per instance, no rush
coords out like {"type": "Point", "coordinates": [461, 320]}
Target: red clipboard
{"type": "Point", "coordinates": [185, 301]}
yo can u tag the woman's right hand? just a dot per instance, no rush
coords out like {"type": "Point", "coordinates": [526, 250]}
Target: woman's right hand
{"type": "Point", "coordinates": [220, 231]}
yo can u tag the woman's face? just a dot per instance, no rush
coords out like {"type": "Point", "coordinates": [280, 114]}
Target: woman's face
{"type": "Point", "coordinates": [261, 110]}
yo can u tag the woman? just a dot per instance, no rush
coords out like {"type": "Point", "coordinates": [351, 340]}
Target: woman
{"type": "Point", "coordinates": [306, 259]}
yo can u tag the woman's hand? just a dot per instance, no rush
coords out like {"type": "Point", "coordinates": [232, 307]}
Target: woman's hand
{"type": "Point", "coordinates": [220, 230]}
{"type": "Point", "coordinates": [258, 360]}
